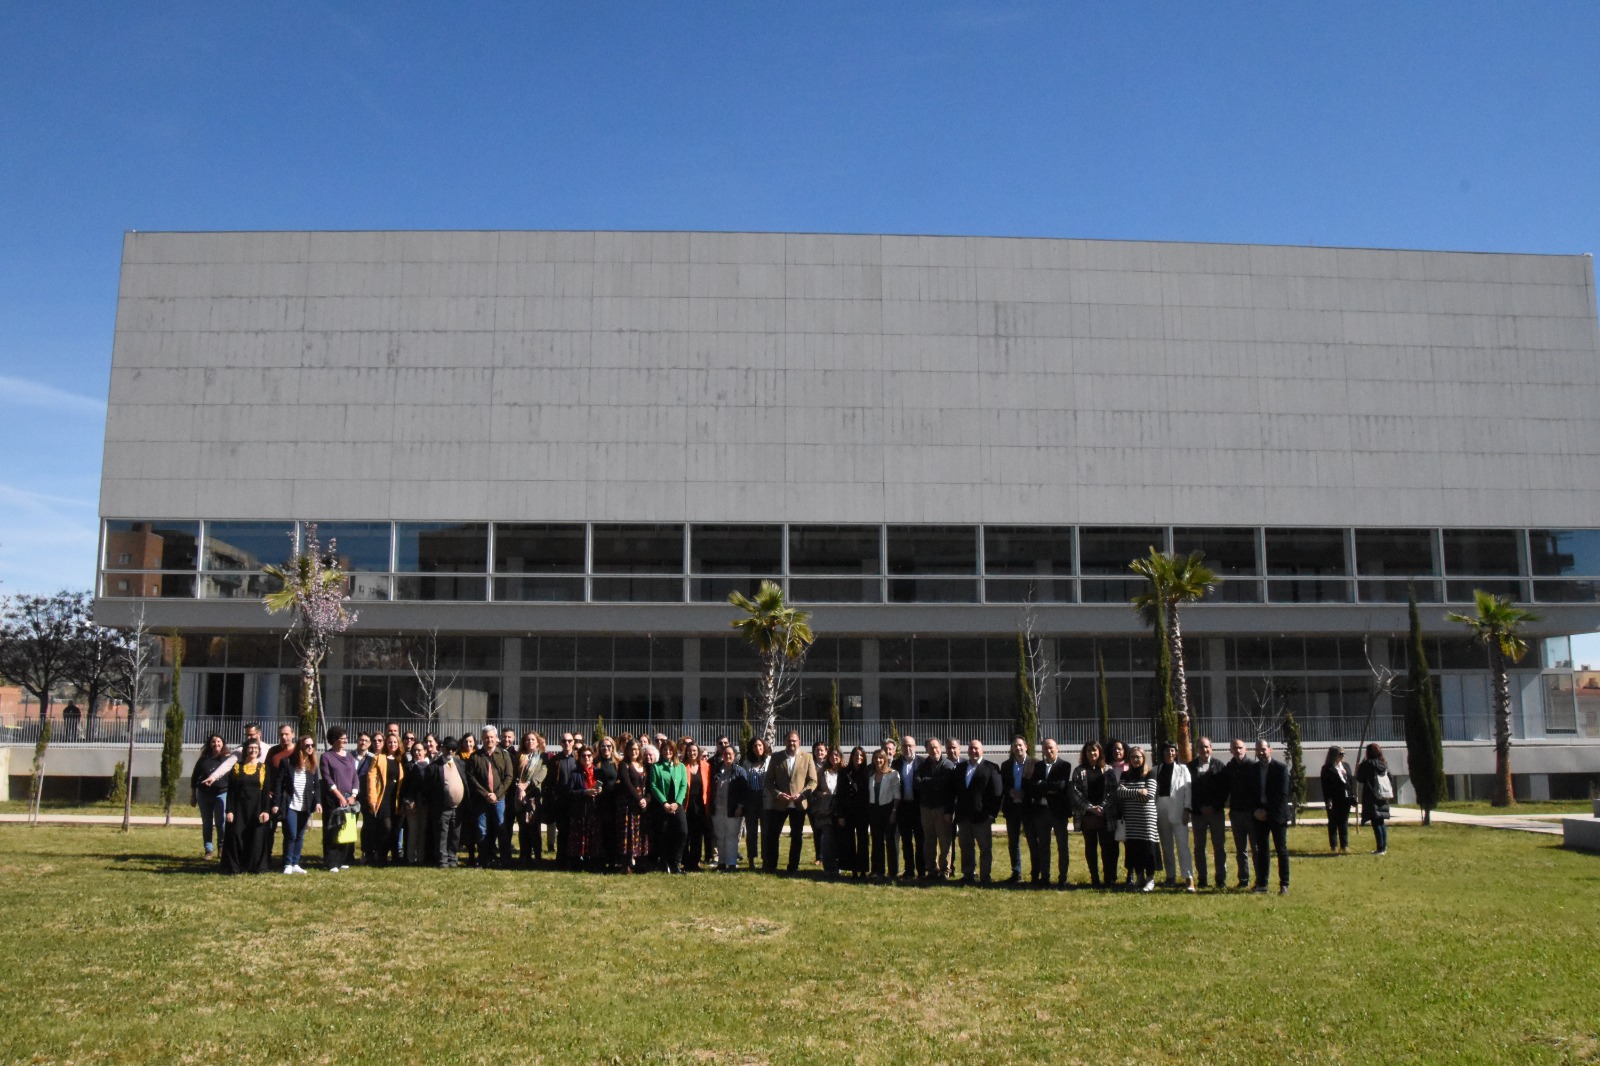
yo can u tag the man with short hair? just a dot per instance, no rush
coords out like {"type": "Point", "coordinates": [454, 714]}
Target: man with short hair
{"type": "Point", "coordinates": [252, 731]}
{"type": "Point", "coordinates": [1049, 795]}
{"type": "Point", "coordinates": [489, 777]}
{"type": "Point", "coordinates": [1014, 774]}
{"type": "Point", "coordinates": [1272, 814]}
{"type": "Point", "coordinates": [1241, 807]}
{"type": "Point", "coordinates": [1208, 784]}
{"type": "Point", "coordinates": [274, 757]}
{"type": "Point", "coordinates": [908, 814]}
{"type": "Point", "coordinates": [790, 778]}
{"type": "Point", "coordinates": [447, 789]}
{"type": "Point", "coordinates": [563, 765]}
{"type": "Point", "coordinates": [364, 753]}
{"type": "Point", "coordinates": [978, 792]}
{"type": "Point", "coordinates": [936, 799]}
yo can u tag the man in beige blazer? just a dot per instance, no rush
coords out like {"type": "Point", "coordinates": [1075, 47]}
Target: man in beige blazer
{"type": "Point", "coordinates": [791, 776]}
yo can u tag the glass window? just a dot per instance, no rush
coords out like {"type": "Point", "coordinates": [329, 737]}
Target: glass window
{"type": "Point", "coordinates": [967, 656]}
{"type": "Point", "coordinates": [894, 655]}
{"type": "Point", "coordinates": [835, 590]}
{"type": "Point", "coordinates": [254, 652]}
{"type": "Point", "coordinates": [932, 590]}
{"type": "Point", "coordinates": [1251, 653]}
{"type": "Point", "coordinates": [1399, 591]}
{"type": "Point", "coordinates": [555, 698]}
{"type": "Point", "coordinates": [1395, 552]}
{"type": "Point", "coordinates": [1470, 552]}
{"type": "Point", "coordinates": [482, 653]}
{"type": "Point", "coordinates": [165, 586]}
{"type": "Point", "coordinates": [716, 589]}
{"type": "Point", "coordinates": [1559, 552]}
{"type": "Point", "coordinates": [237, 586]}
{"type": "Point", "coordinates": [1027, 550]}
{"type": "Point", "coordinates": [1561, 591]}
{"type": "Point", "coordinates": [557, 654]}
{"type": "Point", "coordinates": [1227, 550]}
{"type": "Point", "coordinates": [359, 546]}
{"type": "Point", "coordinates": [1109, 549]}
{"type": "Point", "coordinates": [735, 549]}
{"type": "Point", "coordinates": [1110, 590]}
{"type": "Point", "coordinates": [652, 549]}
{"type": "Point", "coordinates": [248, 546]}
{"type": "Point", "coordinates": [538, 548]}
{"type": "Point", "coordinates": [544, 589]}
{"type": "Point", "coordinates": [930, 655]}
{"type": "Point", "coordinates": [469, 589]}
{"type": "Point", "coordinates": [1560, 704]}
{"type": "Point", "coordinates": [632, 653]}
{"type": "Point", "coordinates": [1325, 591]}
{"type": "Point", "coordinates": [1029, 590]}
{"type": "Point", "coordinates": [933, 549]}
{"type": "Point", "coordinates": [442, 548]}
{"type": "Point", "coordinates": [834, 550]}
{"type": "Point", "coordinates": [636, 589]}
{"type": "Point", "coordinates": [151, 545]}
{"type": "Point", "coordinates": [1463, 591]}
{"type": "Point", "coordinates": [1306, 551]}
{"type": "Point", "coordinates": [594, 653]}
{"type": "Point", "coordinates": [666, 654]}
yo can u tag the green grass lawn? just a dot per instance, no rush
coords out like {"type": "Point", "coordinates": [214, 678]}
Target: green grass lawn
{"type": "Point", "coordinates": [1464, 944]}
{"type": "Point", "coordinates": [179, 810]}
{"type": "Point", "coordinates": [1522, 807]}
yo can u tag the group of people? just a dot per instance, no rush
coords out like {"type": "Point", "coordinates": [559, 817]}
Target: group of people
{"type": "Point", "coordinates": [634, 804]}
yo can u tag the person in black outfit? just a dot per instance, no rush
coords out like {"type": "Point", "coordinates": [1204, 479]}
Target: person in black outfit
{"type": "Point", "coordinates": [1094, 786]}
{"type": "Point", "coordinates": [1208, 784]}
{"type": "Point", "coordinates": [558, 783]}
{"type": "Point", "coordinates": [1014, 774]}
{"type": "Point", "coordinates": [1271, 780]}
{"type": "Point", "coordinates": [1049, 799]}
{"type": "Point", "coordinates": [851, 809]}
{"type": "Point", "coordinates": [606, 775]}
{"type": "Point", "coordinates": [978, 791]}
{"type": "Point", "coordinates": [908, 812]}
{"type": "Point", "coordinates": [1242, 802]}
{"type": "Point", "coordinates": [1338, 797]}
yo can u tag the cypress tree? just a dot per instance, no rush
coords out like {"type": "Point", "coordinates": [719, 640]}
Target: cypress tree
{"type": "Point", "coordinates": [894, 731]}
{"type": "Point", "coordinates": [1424, 739]}
{"type": "Point", "coordinates": [1104, 694]}
{"type": "Point", "coordinates": [835, 728]}
{"type": "Point", "coordinates": [1026, 723]}
{"type": "Point", "coordinates": [599, 729]}
{"type": "Point", "coordinates": [119, 785]}
{"type": "Point", "coordinates": [172, 735]}
{"type": "Point", "coordinates": [1297, 763]}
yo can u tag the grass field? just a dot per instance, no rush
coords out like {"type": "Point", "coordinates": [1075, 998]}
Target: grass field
{"type": "Point", "coordinates": [1522, 807]}
{"type": "Point", "coordinates": [1463, 945]}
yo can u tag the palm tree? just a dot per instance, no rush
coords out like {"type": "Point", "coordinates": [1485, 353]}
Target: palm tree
{"type": "Point", "coordinates": [313, 588]}
{"type": "Point", "coordinates": [1171, 581]}
{"type": "Point", "coordinates": [780, 635]}
{"type": "Point", "coordinates": [1497, 625]}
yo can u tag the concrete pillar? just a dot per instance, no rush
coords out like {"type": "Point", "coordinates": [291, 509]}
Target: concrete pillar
{"type": "Point", "coordinates": [691, 684]}
{"type": "Point", "coordinates": [869, 687]}
{"type": "Point", "coordinates": [1216, 686]}
{"type": "Point", "coordinates": [5, 773]}
{"type": "Point", "coordinates": [511, 678]}
{"type": "Point", "coordinates": [1538, 786]}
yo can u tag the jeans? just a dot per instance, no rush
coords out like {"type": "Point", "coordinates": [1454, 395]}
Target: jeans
{"type": "Point", "coordinates": [447, 836]}
{"type": "Point", "coordinates": [1243, 842]}
{"type": "Point", "coordinates": [1380, 833]}
{"type": "Point", "coordinates": [294, 835]}
{"type": "Point", "coordinates": [490, 817]}
{"type": "Point", "coordinates": [1277, 836]}
{"type": "Point", "coordinates": [981, 834]}
{"type": "Point", "coordinates": [213, 816]}
{"type": "Point", "coordinates": [752, 834]}
{"type": "Point", "coordinates": [1016, 833]}
{"type": "Point", "coordinates": [1212, 828]}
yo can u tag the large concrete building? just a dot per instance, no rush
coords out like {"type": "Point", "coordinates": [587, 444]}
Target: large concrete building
{"type": "Point", "coordinates": [561, 451]}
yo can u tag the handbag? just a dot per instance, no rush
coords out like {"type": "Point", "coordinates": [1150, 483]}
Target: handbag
{"type": "Point", "coordinates": [349, 826]}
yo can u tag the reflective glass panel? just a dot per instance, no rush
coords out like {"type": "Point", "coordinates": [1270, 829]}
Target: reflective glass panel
{"type": "Point", "coordinates": [636, 589]}
{"type": "Point", "coordinates": [1028, 590]}
{"type": "Point", "coordinates": [835, 590]}
{"type": "Point", "coordinates": [538, 548]}
{"type": "Point", "coordinates": [440, 588]}
{"type": "Point", "coordinates": [933, 549]}
{"type": "Point", "coordinates": [246, 546]}
{"type": "Point", "coordinates": [716, 589]}
{"type": "Point", "coordinates": [546, 589]}
{"type": "Point", "coordinates": [1328, 591]}
{"type": "Point", "coordinates": [834, 550]}
{"type": "Point", "coordinates": [1463, 591]}
{"type": "Point", "coordinates": [1027, 550]}
{"type": "Point", "coordinates": [359, 546]}
{"type": "Point", "coordinates": [1559, 552]}
{"type": "Point", "coordinates": [239, 586]}
{"type": "Point", "coordinates": [1305, 551]}
{"type": "Point", "coordinates": [1559, 591]}
{"type": "Point", "coordinates": [932, 590]}
{"type": "Point", "coordinates": [442, 548]}
{"type": "Point", "coordinates": [1110, 590]}
{"type": "Point", "coordinates": [1226, 550]}
{"type": "Point", "coordinates": [1109, 549]}
{"type": "Point", "coordinates": [1395, 552]}
{"type": "Point", "coordinates": [1470, 552]}
{"type": "Point", "coordinates": [651, 549]}
{"type": "Point", "coordinates": [151, 545]}
{"type": "Point", "coordinates": [735, 549]}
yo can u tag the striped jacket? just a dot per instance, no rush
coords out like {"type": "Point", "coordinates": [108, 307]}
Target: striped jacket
{"type": "Point", "coordinates": [1136, 801]}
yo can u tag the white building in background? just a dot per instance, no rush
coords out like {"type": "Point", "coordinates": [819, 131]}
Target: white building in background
{"type": "Point", "coordinates": [561, 450]}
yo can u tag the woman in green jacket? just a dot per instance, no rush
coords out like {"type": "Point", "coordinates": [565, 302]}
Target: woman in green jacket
{"type": "Point", "coordinates": [669, 788]}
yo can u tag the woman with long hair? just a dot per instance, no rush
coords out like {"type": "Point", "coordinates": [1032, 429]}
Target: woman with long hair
{"type": "Point", "coordinates": [1136, 802]}
{"type": "Point", "coordinates": [633, 802]}
{"type": "Point", "coordinates": [583, 842]}
{"type": "Point", "coordinates": [249, 818]}
{"type": "Point", "coordinates": [1092, 787]}
{"type": "Point", "coordinates": [1377, 789]}
{"type": "Point", "coordinates": [883, 798]}
{"type": "Point", "coordinates": [756, 760]}
{"type": "Point", "coordinates": [1338, 797]}
{"type": "Point", "coordinates": [210, 784]}
{"type": "Point", "coordinates": [296, 796]}
{"type": "Point", "coordinates": [669, 790]}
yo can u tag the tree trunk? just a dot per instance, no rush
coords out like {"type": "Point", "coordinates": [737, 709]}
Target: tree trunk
{"type": "Point", "coordinates": [1503, 794]}
{"type": "Point", "coordinates": [769, 701]}
{"type": "Point", "coordinates": [127, 799]}
{"type": "Point", "coordinates": [1180, 683]}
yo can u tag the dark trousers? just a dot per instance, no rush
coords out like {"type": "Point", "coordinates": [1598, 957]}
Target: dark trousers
{"type": "Point", "coordinates": [912, 846]}
{"type": "Point", "coordinates": [855, 847]}
{"type": "Point", "coordinates": [1339, 825]}
{"type": "Point", "coordinates": [822, 842]}
{"type": "Point", "coordinates": [882, 825]}
{"type": "Point", "coordinates": [674, 834]}
{"type": "Point", "coordinates": [530, 835]}
{"type": "Point", "coordinates": [446, 836]}
{"type": "Point", "coordinates": [1016, 832]}
{"type": "Point", "coordinates": [1278, 837]}
{"type": "Point", "coordinates": [1046, 827]}
{"type": "Point", "coordinates": [335, 854]}
{"type": "Point", "coordinates": [772, 831]}
{"type": "Point", "coordinates": [1211, 827]}
{"type": "Point", "coordinates": [1243, 823]}
{"type": "Point", "coordinates": [697, 846]}
{"type": "Point", "coordinates": [752, 835]}
{"type": "Point", "coordinates": [380, 838]}
{"type": "Point", "coordinates": [1100, 846]}
{"type": "Point", "coordinates": [491, 819]}
{"type": "Point", "coordinates": [1141, 859]}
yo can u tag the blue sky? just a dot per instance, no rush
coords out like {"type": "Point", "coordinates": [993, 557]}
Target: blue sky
{"type": "Point", "coordinates": [1448, 125]}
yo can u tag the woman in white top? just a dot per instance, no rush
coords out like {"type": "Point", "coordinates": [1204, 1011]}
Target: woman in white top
{"type": "Point", "coordinates": [1172, 817]}
{"type": "Point", "coordinates": [296, 796]}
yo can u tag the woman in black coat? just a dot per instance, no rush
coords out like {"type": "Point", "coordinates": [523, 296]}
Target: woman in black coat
{"type": "Point", "coordinates": [850, 812]}
{"type": "Point", "coordinates": [1338, 797]}
{"type": "Point", "coordinates": [249, 838]}
{"type": "Point", "coordinates": [1373, 775]}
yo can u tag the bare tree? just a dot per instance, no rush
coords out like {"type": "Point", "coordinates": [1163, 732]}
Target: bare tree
{"type": "Point", "coordinates": [1039, 671]}
{"type": "Point", "coordinates": [139, 655]}
{"type": "Point", "coordinates": [422, 656]}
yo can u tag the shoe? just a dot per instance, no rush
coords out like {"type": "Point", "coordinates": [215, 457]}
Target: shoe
{"type": "Point", "coordinates": [1171, 882]}
{"type": "Point", "coordinates": [1149, 886]}
{"type": "Point", "coordinates": [1283, 890]}
{"type": "Point", "coordinates": [1190, 888]}
{"type": "Point", "coordinates": [1385, 851]}
{"type": "Point", "coordinates": [1259, 890]}
{"type": "Point", "coordinates": [206, 854]}
{"type": "Point", "coordinates": [288, 869]}
{"type": "Point", "coordinates": [335, 869]}
{"type": "Point", "coordinates": [299, 869]}
{"type": "Point", "coordinates": [346, 866]}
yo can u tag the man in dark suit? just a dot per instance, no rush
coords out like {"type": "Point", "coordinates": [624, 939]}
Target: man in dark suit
{"type": "Point", "coordinates": [908, 815]}
{"type": "Point", "coordinates": [1050, 809]}
{"type": "Point", "coordinates": [1272, 814]}
{"type": "Point", "coordinates": [1014, 774]}
{"type": "Point", "coordinates": [978, 790]}
{"type": "Point", "coordinates": [1208, 785]}
{"type": "Point", "coordinates": [1241, 806]}
{"type": "Point", "coordinates": [935, 791]}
